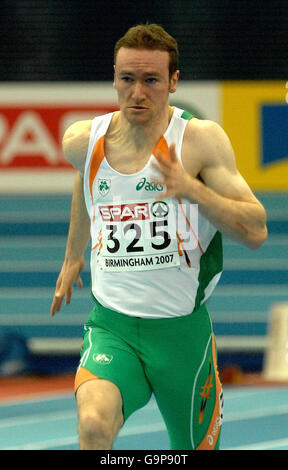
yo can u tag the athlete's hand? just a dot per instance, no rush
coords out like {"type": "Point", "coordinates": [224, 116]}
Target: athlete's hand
{"type": "Point", "coordinates": [69, 274]}
{"type": "Point", "coordinates": [174, 177]}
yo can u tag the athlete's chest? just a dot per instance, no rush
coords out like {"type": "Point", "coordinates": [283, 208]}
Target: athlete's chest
{"type": "Point", "coordinates": [125, 160]}
{"type": "Point", "coordinates": [110, 184]}
{"type": "Point", "coordinates": [126, 164]}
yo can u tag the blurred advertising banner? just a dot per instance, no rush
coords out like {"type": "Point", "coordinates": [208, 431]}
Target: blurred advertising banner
{"type": "Point", "coordinates": [34, 117]}
{"type": "Point", "coordinates": [31, 138]}
{"type": "Point", "coordinates": [255, 116]}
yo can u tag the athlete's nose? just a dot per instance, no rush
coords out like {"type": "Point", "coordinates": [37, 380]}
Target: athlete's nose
{"type": "Point", "coordinates": [138, 93]}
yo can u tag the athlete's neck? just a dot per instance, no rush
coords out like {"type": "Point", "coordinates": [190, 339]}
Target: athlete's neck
{"type": "Point", "coordinates": [143, 135]}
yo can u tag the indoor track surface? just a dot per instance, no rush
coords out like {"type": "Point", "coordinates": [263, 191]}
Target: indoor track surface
{"type": "Point", "coordinates": [255, 418]}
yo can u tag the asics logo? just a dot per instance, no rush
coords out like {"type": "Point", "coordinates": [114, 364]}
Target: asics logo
{"type": "Point", "coordinates": [147, 186]}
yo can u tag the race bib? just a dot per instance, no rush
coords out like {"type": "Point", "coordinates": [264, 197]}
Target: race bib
{"type": "Point", "coordinates": [137, 237]}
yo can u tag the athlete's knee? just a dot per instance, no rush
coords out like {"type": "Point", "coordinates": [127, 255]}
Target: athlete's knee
{"type": "Point", "coordinates": [100, 414]}
{"type": "Point", "coordinates": [96, 430]}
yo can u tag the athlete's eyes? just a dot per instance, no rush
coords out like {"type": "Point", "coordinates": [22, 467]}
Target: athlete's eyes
{"type": "Point", "coordinates": [151, 80]}
{"type": "Point", "coordinates": [127, 79]}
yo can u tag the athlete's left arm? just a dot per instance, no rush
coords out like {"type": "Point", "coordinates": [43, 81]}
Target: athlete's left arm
{"type": "Point", "coordinates": [222, 194]}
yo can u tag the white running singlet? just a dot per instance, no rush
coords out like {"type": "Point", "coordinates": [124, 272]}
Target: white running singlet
{"type": "Point", "coordinates": [150, 258]}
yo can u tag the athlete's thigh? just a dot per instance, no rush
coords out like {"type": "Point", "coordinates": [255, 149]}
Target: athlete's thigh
{"type": "Point", "coordinates": [106, 356]}
{"type": "Point", "coordinates": [186, 384]}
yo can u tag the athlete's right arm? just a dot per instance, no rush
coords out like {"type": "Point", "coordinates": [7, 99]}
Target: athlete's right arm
{"type": "Point", "coordinates": [75, 145]}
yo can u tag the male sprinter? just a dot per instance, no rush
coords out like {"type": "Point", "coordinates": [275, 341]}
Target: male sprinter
{"type": "Point", "coordinates": [154, 188]}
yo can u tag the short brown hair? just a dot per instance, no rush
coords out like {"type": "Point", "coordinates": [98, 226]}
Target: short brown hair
{"type": "Point", "coordinates": [150, 36]}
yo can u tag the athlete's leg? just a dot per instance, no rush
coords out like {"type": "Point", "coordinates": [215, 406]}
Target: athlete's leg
{"type": "Point", "coordinates": [183, 373]}
{"type": "Point", "coordinates": [99, 414]}
{"type": "Point", "coordinates": [110, 382]}
{"type": "Point", "coordinates": [189, 398]}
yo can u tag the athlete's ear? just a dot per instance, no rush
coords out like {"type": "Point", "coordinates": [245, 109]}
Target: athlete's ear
{"type": "Point", "coordinates": [173, 81]}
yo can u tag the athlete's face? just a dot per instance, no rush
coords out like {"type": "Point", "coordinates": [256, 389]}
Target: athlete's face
{"type": "Point", "coordinates": [143, 84]}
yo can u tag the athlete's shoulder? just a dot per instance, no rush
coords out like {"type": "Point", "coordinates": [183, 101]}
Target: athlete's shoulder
{"type": "Point", "coordinates": [196, 126]}
{"type": "Point", "coordinates": [205, 132]}
{"type": "Point", "coordinates": [78, 128]}
{"type": "Point", "coordinates": [75, 143]}
{"type": "Point", "coordinates": [202, 126]}
{"type": "Point", "coordinates": [206, 144]}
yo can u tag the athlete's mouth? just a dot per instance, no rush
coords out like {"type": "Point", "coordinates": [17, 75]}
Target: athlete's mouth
{"type": "Point", "coordinates": [138, 107]}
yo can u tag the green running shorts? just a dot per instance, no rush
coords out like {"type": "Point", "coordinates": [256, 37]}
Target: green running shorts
{"type": "Point", "coordinates": [173, 358]}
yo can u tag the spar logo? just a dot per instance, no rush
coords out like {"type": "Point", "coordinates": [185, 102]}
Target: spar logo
{"type": "Point", "coordinates": [160, 209]}
{"type": "Point", "coordinates": [124, 212]}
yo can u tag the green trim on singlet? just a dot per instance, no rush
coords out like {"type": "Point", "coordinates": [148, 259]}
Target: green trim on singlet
{"type": "Point", "coordinates": [211, 263]}
{"type": "Point", "coordinates": [186, 115]}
